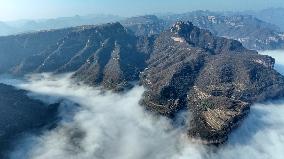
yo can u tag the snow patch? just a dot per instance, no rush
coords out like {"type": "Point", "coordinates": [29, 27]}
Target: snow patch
{"type": "Point", "coordinates": [178, 39]}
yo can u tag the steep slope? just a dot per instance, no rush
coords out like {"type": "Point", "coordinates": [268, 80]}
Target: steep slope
{"type": "Point", "coordinates": [19, 113]}
{"type": "Point", "coordinates": [216, 79]}
{"type": "Point", "coordinates": [118, 61]}
{"type": "Point", "coordinates": [106, 54]}
{"type": "Point", "coordinates": [61, 50]}
{"type": "Point", "coordinates": [14, 50]}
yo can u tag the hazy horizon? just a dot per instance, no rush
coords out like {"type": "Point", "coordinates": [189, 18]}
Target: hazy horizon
{"type": "Point", "coordinates": [13, 10]}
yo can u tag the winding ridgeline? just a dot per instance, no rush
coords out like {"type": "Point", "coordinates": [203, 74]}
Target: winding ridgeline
{"type": "Point", "coordinates": [183, 69]}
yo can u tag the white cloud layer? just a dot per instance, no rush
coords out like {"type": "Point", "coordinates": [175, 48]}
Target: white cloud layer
{"type": "Point", "coordinates": [115, 126]}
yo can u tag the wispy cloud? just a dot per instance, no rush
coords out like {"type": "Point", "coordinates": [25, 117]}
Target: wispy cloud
{"type": "Point", "coordinates": [106, 125]}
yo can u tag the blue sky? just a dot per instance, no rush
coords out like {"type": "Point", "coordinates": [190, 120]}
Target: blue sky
{"type": "Point", "coordinates": [36, 9]}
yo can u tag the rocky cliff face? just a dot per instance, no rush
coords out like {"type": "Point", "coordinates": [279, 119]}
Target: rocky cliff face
{"type": "Point", "coordinates": [183, 68]}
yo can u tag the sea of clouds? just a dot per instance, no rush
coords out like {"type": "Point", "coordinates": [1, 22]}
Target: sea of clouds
{"type": "Point", "coordinates": [105, 125]}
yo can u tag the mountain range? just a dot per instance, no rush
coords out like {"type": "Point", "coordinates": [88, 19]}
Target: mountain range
{"type": "Point", "coordinates": [23, 26]}
{"type": "Point", "coordinates": [183, 68]}
{"type": "Point", "coordinates": [251, 32]}
{"type": "Point", "coordinates": [257, 30]}
{"type": "Point", "coordinates": [270, 15]}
